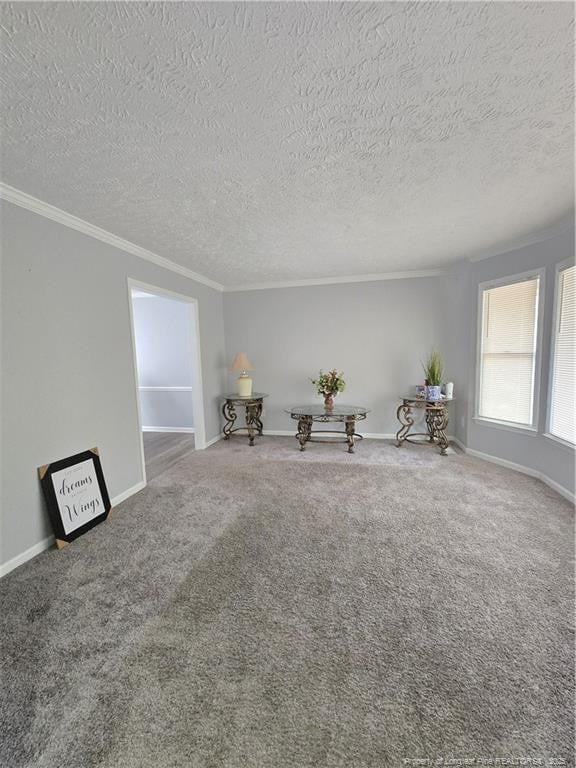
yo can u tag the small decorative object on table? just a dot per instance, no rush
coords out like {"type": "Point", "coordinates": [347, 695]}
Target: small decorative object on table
{"type": "Point", "coordinates": [244, 382]}
{"type": "Point", "coordinates": [253, 405]}
{"type": "Point", "coordinates": [433, 371]}
{"type": "Point", "coordinates": [328, 385]}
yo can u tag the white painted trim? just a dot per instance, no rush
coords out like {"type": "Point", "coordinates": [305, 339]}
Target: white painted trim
{"type": "Point", "coordinates": [197, 388]}
{"type": "Point", "coordinates": [127, 493]}
{"type": "Point", "coordinates": [185, 430]}
{"type": "Point", "coordinates": [165, 389]}
{"type": "Point", "coordinates": [28, 554]}
{"type": "Point", "coordinates": [509, 426]}
{"type": "Point", "coordinates": [520, 468]}
{"type": "Point", "coordinates": [558, 488]}
{"type": "Point", "coordinates": [560, 441]}
{"type": "Point", "coordinates": [335, 280]}
{"type": "Point", "coordinates": [34, 204]}
{"type": "Point", "coordinates": [212, 441]}
{"type": "Point", "coordinates": [459, 443]}
{"type": "Point", "coordinates": [560, 267]}
{"type": "Point", "coordinates": [292, 432]}
{"type": "Point", "coordinates": [46, 543]}
{"type": "Point", "coordinates": [477, 454]}
{"type": "Point", "coordinates": [24, 200]}
{"type": "Point", "coordinates": [366, 435]}
{"type": "Point", "coordinates": [279, 432]}
{"type": "Point", "coordinates": [135, 374]}
{"type": "Point", "coordinates": [487, 285]}
{"type": "Point", "coordinates": [562, 225]}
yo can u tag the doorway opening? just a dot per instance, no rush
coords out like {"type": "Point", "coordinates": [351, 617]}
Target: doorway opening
{"type": "Point", "coordinates": [166, 346]}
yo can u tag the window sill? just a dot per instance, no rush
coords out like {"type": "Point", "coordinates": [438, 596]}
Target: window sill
{"type": "Point", "coordinates": [507, 426]}
{"type": "Point", "coordinates": [560, 441]}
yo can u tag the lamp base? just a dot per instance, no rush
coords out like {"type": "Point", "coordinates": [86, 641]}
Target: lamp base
{"type": "Point", "coordinates": [244, 384]}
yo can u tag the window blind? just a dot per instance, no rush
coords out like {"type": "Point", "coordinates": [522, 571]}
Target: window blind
{"type": "Point", "coordinates": [563, 390]}
{"type": "Point", "coordinates": [508, 352]}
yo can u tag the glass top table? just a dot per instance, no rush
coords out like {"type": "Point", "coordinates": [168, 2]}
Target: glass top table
{"type": "Point", "coordinates": [307, 415]}
{"type": "Point", "coordinates": [436, 417]}
{"type": "Point", "coordinates": [253, 404]}
{"type": "Point", "coordinates": [253, 396]}
{"type": "Point", "coordinates": [319, 409]}
{"type": "Point", "coordinates": [420, 399]}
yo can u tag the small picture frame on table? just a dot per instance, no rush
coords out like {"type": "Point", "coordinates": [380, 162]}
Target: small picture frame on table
{"type": "Point", "coordinates": [76, 495]}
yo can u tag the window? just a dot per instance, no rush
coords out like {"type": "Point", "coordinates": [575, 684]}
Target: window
{"type": "Point", "coordinates": [508, 347]}
{"type": "Point", "coordinates": [563, 385]}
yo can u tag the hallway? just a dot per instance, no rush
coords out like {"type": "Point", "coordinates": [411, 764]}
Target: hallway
{"type": "Point", "coordinates": [164, 449]}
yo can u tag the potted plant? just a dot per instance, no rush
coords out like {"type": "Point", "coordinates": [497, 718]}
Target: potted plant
{"type": "Point", "coordinates": [433, 372]}
{"type": "Point", "coordinates": [328, 385]}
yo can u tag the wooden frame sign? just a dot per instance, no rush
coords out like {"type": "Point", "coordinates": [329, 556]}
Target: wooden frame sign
{"type": "Point", "coordinates": [76, 494]}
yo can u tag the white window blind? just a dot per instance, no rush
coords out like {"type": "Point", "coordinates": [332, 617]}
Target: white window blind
{"type": "Point", "coordinates": [563, 390]}
{"type": "Point", "coordinates": [508, 352]}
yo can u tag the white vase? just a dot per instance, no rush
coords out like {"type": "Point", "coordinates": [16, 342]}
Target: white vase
{"type": "Point", "coordinates": [449, 390]}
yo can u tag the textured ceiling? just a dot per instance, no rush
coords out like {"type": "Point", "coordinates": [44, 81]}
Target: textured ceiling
{"type": "Point", "coordinates": [257, 142]}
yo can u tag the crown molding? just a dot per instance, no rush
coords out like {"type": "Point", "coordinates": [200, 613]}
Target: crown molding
{"type": "Point", "coordinates": [561, 225]}
{"type": "Point", "coordinates": [335, 280]}
{"type": "Point", "coordinates": [24, 200]}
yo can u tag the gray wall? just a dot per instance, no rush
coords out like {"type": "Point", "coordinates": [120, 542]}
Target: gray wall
{"type": "Point", "coordinates": [529, 449]}
{"type": "Point", "coordinates": [376, 332]}
{"type": "Point", "coordinates": [68, 378]}
{"type": "Point", "coordinates": [163, 336]}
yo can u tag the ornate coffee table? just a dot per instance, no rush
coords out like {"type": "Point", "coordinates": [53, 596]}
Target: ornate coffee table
{"type": "Point", "coordinates": [436, 414]}
{"type": "Point", "coordinates": [306, 415]}
{"type": "Point", "coordinates": [253, 405]}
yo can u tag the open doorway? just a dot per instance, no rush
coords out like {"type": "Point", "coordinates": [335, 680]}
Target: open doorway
{"type": "Point", "coordinates": [166, 343]}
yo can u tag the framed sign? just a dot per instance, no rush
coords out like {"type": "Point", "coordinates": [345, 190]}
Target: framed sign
{"type": "Point", "coordinates": [76, 494]}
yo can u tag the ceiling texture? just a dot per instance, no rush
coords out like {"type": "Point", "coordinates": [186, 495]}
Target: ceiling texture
{"type": "Point", "coordinates": [266, 142]}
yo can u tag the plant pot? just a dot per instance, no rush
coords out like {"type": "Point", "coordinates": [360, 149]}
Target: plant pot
{"type": "Point", "coordinates": [328, 402]}
{"type": "Point", "coordinates": [433, 392]}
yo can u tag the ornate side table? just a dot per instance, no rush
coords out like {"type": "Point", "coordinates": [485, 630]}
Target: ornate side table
{"type": "Point", "coordinates": [253, 405]}
{"type": "Point", "coordinates": [306, 415]}
{"type": "Point", "coordinates": [436, 415]}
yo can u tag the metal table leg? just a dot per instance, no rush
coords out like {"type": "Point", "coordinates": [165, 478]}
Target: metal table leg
{"type": "Point", "coordinates": [350, 432]}
{"type": "Point", "coordinates": [304, 431]}
{"type": "Point", "coordinates": [404, 416]}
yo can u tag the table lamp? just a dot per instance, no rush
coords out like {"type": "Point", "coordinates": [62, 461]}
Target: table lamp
{"type": "Point", "coordinates": [244, 382]}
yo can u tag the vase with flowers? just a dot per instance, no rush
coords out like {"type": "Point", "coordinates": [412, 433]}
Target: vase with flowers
{"type": "Point", "coordinates": [328, 385]}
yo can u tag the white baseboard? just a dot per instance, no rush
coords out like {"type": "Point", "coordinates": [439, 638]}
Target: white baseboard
{"type": "Point", "coordinates": [478, 454]}
{"type": "Point", "coordinates": [292, 432]}
{"type": "Point", "coordinates": [367, 435]}
{"type": "Point", "coordinates": [280, 432]}
{"type": "Point", "coordinates": [48, 542]}
{"type": "Point", "coordinates": [571, 497]}
{"type": "Point", "coordinates": [187, 430]}
{"type": "Point", "coordinates": [519, 468]}
{"type": "Point", "coordinates": [126, 494]}
{"type": "Point", "coordinates": [212, 441]}
{"type": "Point", "coordinates": [28, 554]}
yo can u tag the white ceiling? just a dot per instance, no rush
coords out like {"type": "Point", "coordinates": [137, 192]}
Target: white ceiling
{"type": "Point", "coordinates": [256, 142]}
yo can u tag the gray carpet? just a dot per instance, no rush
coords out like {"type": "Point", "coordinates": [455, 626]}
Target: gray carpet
{"type": "Point", "coordinates": [263, 607]}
